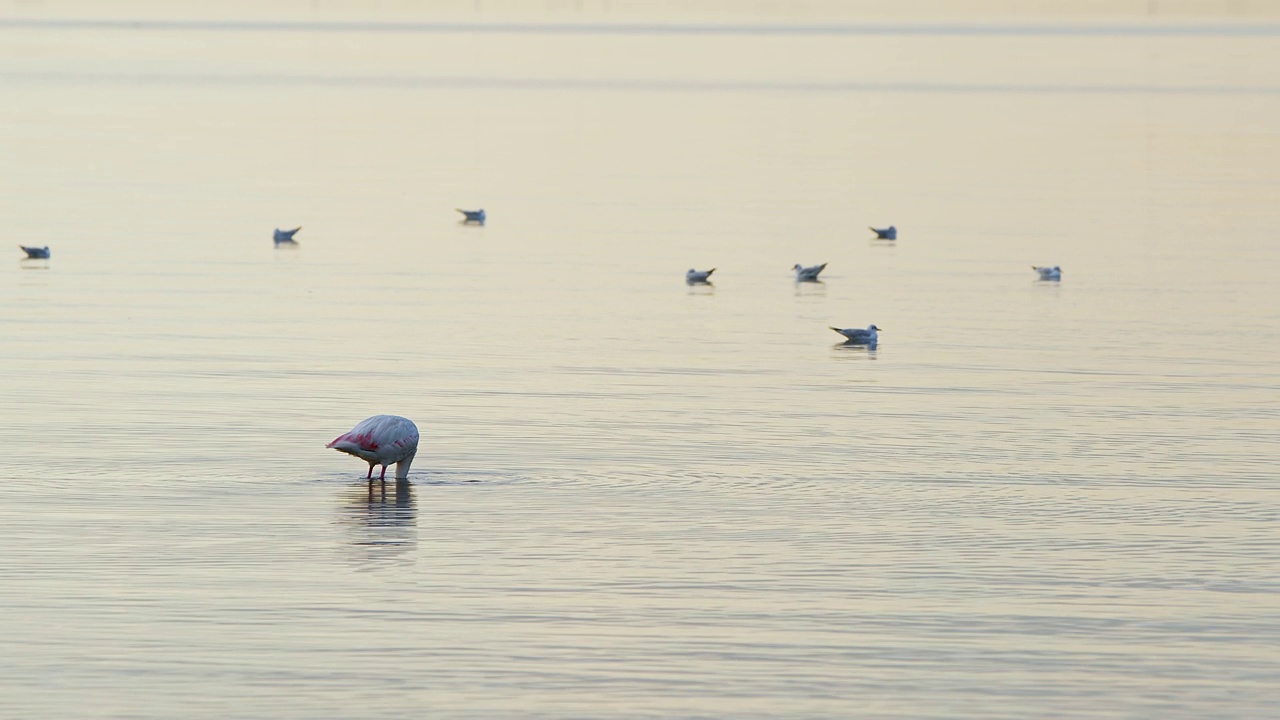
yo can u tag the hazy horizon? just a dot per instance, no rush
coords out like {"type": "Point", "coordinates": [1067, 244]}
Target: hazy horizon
{"type": "Point", "coordinates": [640, 10]}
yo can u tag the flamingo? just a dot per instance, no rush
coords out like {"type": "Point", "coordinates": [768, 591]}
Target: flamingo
{"type": "Point", "coordinates": [698, 277]}
{"type": "Point", "coordinates": [808, 274]}
{"type": "Point", "coordinates": [36, 253]}
{"type": "Point", "coordinates": [1048, 273]}
{"type": "Point", "coordinates": [858, 336]}
{"type": "Point", "coordinates": [475, 216]}
{"type": "Point", "coordinates": [285, 237]}
{"type": "Point", "coordinates": [889, 233]}
{"type": "Point", "coordinates": [381, 440]}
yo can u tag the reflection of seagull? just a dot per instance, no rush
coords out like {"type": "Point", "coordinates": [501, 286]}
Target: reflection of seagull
{"type": "Point", "coordinates": [381, 440]}
{"type": "Point", "coordinates": [858, 336]}
{"type": "Point", "coordinates": [35, 253]}
{"type": "Point", "coordinates": [285, 237]}
{"type": "Point", "coordinates": [472, 216]}
{"type": "Point", "coordinates": [807, 274]}
{"type": "Point", "coordinates": [889, 233]}
{"type": "Point", "coordinates": [1048, 273]}
{"type": "Point", "coordinates": [696, 277]}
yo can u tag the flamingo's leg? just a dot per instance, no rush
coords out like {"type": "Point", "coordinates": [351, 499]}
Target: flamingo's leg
{"type": "Point", "coordinates": [383, 476]}
{"type": "Point", "coordinates": [370, 475]}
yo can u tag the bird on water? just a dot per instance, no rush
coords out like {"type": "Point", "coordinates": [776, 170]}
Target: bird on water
{"type": "Point", "coordinates": [859, 336]}
{"type": "Point", "coordinates": [381, 440]}
{"type": "Point", "coordinates": [807, 274]}
{"type": "Point", "coordinates": [698, 277]}
{"type": "Point", "coordinates": [36, 253]}
{"type": "Point", "coordinates": [1048, 273]}
{"type": "Point", "coordinates": [285, 237]}
{"type": "Point", "coordinates": [472, 216]}
{"type": "Point", "coordinates": [889, 233]}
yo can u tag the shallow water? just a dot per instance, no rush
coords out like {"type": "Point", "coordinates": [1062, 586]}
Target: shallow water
{"type": "Point", "coordinates": [635, 497]}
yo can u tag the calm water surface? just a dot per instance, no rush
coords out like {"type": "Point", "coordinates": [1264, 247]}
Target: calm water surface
{"type": "Point", "coordinates": [635, 498]}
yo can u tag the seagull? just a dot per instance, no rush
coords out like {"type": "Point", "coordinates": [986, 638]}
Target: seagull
{"type": "Point", "coordinates": [1048, 273]}
{"type": "Point", "coordinates": [808, 274]}
{"type": "Point", "coordinates": [381, 440]}
{"type": "Point", "coordinates": [35, 253]}
{"type": "Point", "coordinates": [698, 277]}
{"type": "Point", "coordinates": [889, 233]}
{"type": "Point", "coordinates": [285, 237]}
{"type": "Point", "coordinates": [858, 336]}
{"type": "Point", "coordinates": [472, 216]}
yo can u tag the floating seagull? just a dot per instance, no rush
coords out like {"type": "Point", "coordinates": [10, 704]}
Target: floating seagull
{"type": "Point", "coordinates": [472, 216]}
{"type": "Point", "coordinates": [858, 336]}
{"type": "Point", "coordinates": [889, 233]}
{"type": "Point", "coordinates": [35, 253]}
{"type": "Point", "coordinates": [381, 440]}
{"type": "Point", "coordinates": [285, 237]}
{"type": "Point", "coordinates": [1048, 273]}
{"type": "Point", "coordinates": [698, 277]}
{"type": "Point", "coordinates": [808, 274]}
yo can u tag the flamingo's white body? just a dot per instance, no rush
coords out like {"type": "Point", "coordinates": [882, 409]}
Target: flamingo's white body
{"type": "Point", "coordinates": [285, 237]}
{"type": "Point", "coordinates": [808, 274]}
{"type": "Point", "coordinates": [381, 440]}
{"type": "Point", "coordinates": [698, 277]}
{"type": "Point", "coordinates": [1048, 273]}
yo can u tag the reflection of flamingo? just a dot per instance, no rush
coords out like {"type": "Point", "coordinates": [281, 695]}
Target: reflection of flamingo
{"type": "Point", "coordinates": [382, 526]}
{"type": "Point", "coordinates": [376, 510]}
{"type": "Point", "coordinates": [381, 440]}
{"type": "Point", "coordinates": [381, 512]}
